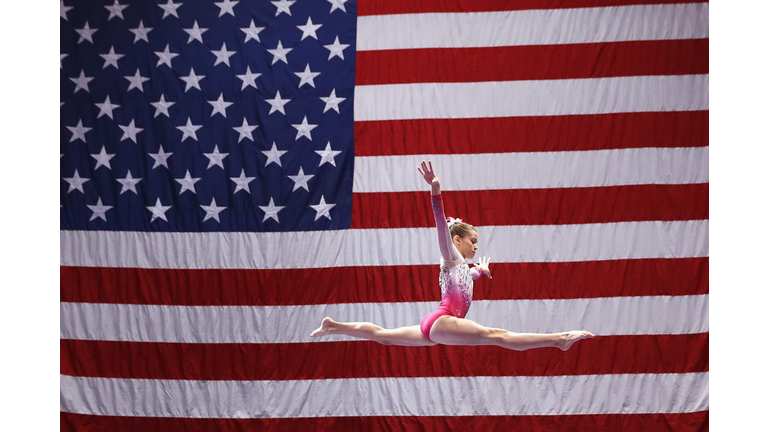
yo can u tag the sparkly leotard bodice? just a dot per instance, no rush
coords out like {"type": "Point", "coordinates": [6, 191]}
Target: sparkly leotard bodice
{"type": "Point", "coordinates": [456, 287]}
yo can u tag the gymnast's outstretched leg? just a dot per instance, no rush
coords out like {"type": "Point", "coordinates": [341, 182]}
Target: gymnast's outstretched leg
{"type": "Point", "coordinates": [448, 330]}
{"type": "Point", "coordinates": [403, 336]}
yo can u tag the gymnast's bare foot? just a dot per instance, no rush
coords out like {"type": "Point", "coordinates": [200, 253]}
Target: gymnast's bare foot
{"type": "Point", "coordinates": [569, 338]}
{"type": "Point", "coordinates": [325, 328]}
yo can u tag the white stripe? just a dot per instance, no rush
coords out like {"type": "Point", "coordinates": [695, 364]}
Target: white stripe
{"type": "Point", "coordinates": [535, 170]}
{"type": "Point", "coordinates": [380, 247]}
{"type": "Point", "coordinates": [606, 316]}
{"type": "Point", "coordinates": [533, 27]}
{"type": "Point", "coordinates": [428, 396]}
{"type": "Point", "coordinates": [532, 98]}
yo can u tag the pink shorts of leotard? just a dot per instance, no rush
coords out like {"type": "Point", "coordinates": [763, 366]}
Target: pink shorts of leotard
{"type": "Point", "coordinates": [429, 320]}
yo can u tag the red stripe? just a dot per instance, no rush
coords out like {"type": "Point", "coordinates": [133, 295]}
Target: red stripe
{"type": "Point", "coordinates": [534, 62]}
{"type": "Point", "coordinates": [647, 277]}
{"type": "Point", "coordinates": [377, 7]}
{"type": "Point", "coordinates": [532, 134]}
{"type": "Point", "coordinates": [537, 206]}
{"type": "Point", "coordinates": [685, 422]}
{"type": "Point", "coordinates": [601, 355]}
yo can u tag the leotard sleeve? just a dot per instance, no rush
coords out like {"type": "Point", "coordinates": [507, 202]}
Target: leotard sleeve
{"type": "Point", "coordinates": [448, 250]}
{"type": "Point", "coordinates": [476, 273]}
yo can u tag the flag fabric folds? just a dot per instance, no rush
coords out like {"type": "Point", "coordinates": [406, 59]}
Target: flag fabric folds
{"type": "Point", "coordinates": [233, 172]}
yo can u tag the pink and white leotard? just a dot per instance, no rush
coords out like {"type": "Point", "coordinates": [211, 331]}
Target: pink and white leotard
{"type": "Point", "coordinates": [456, 278]}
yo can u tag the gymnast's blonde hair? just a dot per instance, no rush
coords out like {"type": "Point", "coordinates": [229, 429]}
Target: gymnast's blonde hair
{"type": "Point", "coordinates": [459, 228]}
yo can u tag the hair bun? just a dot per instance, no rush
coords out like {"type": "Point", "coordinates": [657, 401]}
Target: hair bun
{"type": "Point", "coordinates": [452, 221]}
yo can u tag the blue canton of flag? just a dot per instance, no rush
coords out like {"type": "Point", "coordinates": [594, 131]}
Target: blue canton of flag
{"type": "Point", "coordinates": [207, 116]}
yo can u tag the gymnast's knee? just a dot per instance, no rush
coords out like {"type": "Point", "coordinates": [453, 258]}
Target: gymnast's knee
{"type": "Point", "coordinates": [381, 338]}
{"type": "Point", "coordinates": [494, 333]}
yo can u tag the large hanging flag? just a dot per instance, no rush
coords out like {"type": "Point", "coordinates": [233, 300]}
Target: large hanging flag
{"type": "Point", "coordinates": [234, 171]}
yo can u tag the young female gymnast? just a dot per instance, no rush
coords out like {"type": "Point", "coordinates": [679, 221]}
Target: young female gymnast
{"type": "Point", "coordinates": [448, 325]}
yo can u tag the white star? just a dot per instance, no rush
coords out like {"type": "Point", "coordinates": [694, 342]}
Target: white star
{"type": "Point", "coordinates": [220, 106]}
{"type": "Point", "coordinates": [242, 182]}
{"type": "Point", "coordinates": [64, 10]}
{"type": "Point", "coordinates": [129, 183]}
{"type": "Point", "coordinates": [332, 102]}
{"type": "Point", "coordinates": [161, 158]}
{"type": "Point", "coordinates": [170, 8]}
{"type": "Point", "coordinates": [300, 180]}
{"type": "Point", "coordinates": [277, 103]}
{"type": "Point", "coordinates": [136, 81]}
{"type": "Point", "coordinates": [271, 210]}
{"type": "Point", "coordinates": [158, 211]}
{"type": "Point", "coordinates": [216, 158]}
{"type": "Point", "coordinates": [309, 29]}
{"type": "Point", "coordinates": [222, 55]}
{"type": "Point", "coordinates": [76, 182]}
{"type": "Point", "coordinates": [337, 49]}
{"type": "Point", "coordinates": [307, 77]}
{"type": "Point", "coordinates": [252, 32]}
{"type": "Point", "coordinates": [187, 183]}
{"type": "Point", "coordinates": [337, 4]}
{"type": "Point", "coordinates": [99, 210]}
{"type": "Point", "coordinates": [116, 10]}
{"type": "Point", "coordinates": [165, 56]}
{"type": "Point", "coordinates": [226, 7]}
{"type": "Point", "coordinates": [106, 108]}
{"type": "Point", "coordinates": [323, 209]}
{"type": "Point", "coordinates": [78, 132]}
{"type": "Point", "coordinates": [86, 33]}
{"type": "Point", "coordinates": [141, 32]}
{"type": "Point", "coordinates": [195, 33]}
{"type": "Point", "coordinates": [130, 131]}
{"type": "Point", "coordinates": [61, 57]}
{"type": "Point", "coordinates": [102, 159]}
{"type": "Point", "coordinates": [161, 106]}
{"type": "Point", "coordinates": [273, 155]}
{"type": "Point", "coordinates": [111, 58]}
{"type": "Point", "coordinates": [328, 155]}
{"type": "Point", "coordinates": [212, 211]}
{"type": "Point", "coordinates": [192, 80]}
{"type": "Point", "coordinates": [279, 53]}
{"type": "Point", "coordinates": [249, 79]}
{"type": "Point", "coordinates": [283, 6]}
{"type": "Point", "coordinates": [81, 82]}
{"type": "Point", "coordinates": [304, 129]}
{"type": "Point", "coordinates": [246, 130]}
{"type": "Point", "coordinates": [189, 130]}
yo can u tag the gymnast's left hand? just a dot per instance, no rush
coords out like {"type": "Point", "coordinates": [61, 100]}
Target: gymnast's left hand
{"type": "Point", "coordinates": [484, 266]}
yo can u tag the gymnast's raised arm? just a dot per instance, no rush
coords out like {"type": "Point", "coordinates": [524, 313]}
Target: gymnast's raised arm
{"type": "Point", "coordinates": [447, 250]}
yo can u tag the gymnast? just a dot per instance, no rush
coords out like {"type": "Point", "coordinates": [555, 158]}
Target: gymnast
{"type": "Point", "coordinates": [447, 325]}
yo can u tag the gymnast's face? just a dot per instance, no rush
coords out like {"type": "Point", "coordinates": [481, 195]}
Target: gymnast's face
{"type": "Point", "coordinates": [466, 245]}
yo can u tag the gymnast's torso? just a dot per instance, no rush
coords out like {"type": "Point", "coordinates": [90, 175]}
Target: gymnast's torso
{"type": "Point", "coordinates": [456, 287]}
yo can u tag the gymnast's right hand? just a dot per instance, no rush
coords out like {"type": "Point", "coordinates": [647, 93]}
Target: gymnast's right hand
{"type": "Point", "coordinates": [429, 174]}
{"type": "Point", "coordinates": [484, 267]}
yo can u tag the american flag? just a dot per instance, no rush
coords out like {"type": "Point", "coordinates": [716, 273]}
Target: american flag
{"type": "Point", "coordinates": [232, 172]}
